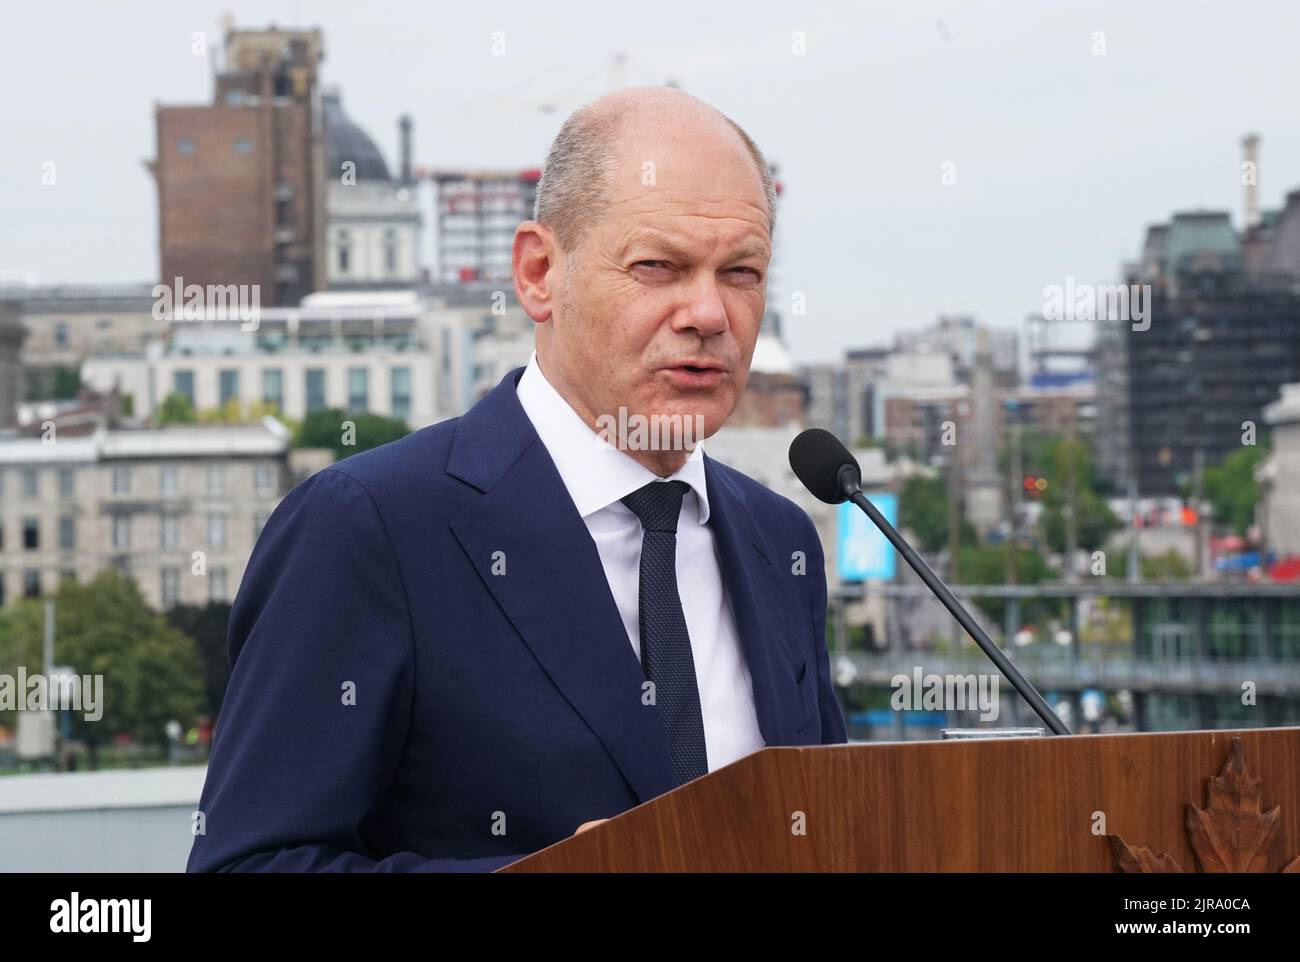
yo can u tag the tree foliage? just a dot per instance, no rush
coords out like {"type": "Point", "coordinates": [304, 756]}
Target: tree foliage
{"type": "Point", "coordinates": [329, 428]}
{"type": "Point", "coordinates": [151, 671]}
{"type": "Point", "coordinates": [1231, 489]}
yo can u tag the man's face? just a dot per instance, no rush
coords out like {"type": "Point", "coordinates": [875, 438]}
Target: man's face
{"type": "Point", "coordinates": [660, 306]}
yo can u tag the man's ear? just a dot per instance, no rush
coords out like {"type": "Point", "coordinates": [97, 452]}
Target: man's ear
{"type": "Point", "coordinates": [533, 256]}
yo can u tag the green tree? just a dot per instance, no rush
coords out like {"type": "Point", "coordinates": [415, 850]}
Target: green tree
{"type": "Point", "coordinates": [986, 564]}
{"type": "Point", "coordinates": [1231, 489]}
{"type": "Point", "coordinates": [923, 507]}
{"type": "Point", "coordinates": [1169, 566]}
{"type": "Point", "coordinates": [326, 428]}
{"type": "Point", "coordinates": [176, 409]}
{"type": "Point", "coordinates": [234, 411]}
{"type": "Point", "coordinates": [151, 671]}
{"type": "Point", "coordinates": [67, 383]}
{"type": "Point", "coordinates": [1094, 519]}
{"type": "Point", "coordinates": [207, 625]}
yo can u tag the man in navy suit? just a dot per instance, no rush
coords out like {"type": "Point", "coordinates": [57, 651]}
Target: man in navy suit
{"type": "Point", "coordinates": [458, 648]}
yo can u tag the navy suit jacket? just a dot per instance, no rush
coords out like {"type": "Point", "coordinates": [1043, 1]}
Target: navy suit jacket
{"type": "Point", "coordinates": [395, 704]}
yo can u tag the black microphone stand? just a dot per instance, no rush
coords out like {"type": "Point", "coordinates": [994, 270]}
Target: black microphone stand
{"type": "Point", "coordinates": [850, 484]}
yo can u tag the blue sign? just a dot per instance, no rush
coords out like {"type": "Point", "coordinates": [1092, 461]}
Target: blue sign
{"type": "Point", "coordinates": [862, 551]}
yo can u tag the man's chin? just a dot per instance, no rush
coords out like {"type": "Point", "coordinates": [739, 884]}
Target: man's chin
{"type": "Point", "coordinates": [678, 422]}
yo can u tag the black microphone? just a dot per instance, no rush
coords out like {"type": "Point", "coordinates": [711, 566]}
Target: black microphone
{"type": "Point", "coordinates": [832, 474]}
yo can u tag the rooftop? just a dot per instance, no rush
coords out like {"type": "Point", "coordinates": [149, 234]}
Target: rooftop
{"type": "Point", "coordinates": [268, 438]}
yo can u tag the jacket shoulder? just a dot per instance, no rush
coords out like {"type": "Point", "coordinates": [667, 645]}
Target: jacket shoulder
{"type": "Point", "coordinates": [419, 458]}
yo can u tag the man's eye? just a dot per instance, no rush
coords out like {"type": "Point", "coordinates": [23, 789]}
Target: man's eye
{"type": "Point", "coordinates": [748, 270]}
{"type": "Point", "coordinates": [653, 264]}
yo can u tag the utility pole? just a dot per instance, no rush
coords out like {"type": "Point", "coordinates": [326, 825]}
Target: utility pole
{"type": "Point", "coordinates": [1134, 558]}
{"type": "Point", "coordinates": [1071, 506]}
{"type": "Point", "coordinates": [954, 515]}
{"type": "Point", "coordinates": [1017, 493]}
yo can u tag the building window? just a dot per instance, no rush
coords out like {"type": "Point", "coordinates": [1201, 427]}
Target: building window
{"type": "Point", "coordinates": [185, 146]}
{"type": "Point", "coordinates": [67, 574]}
{"type": "Point", "coordinates": [263, 479]}
{"type": "Point", "coordinates": [216, 531]}
{"type": "Point", "coordinates": [217, 590]}
{"type": "Point", "coordinates": [122, 532]}
{"type": "Point", "coordinates": [67, 532]}
{"type": "Point", "coordinates": [390, 251]}
{"type": "Point", "coordinates": [358, 389]}
{"type": "Point", "coordinates": [169, 531]}
{"type": "Point", "coordinates": [31, 482]}
{"type": "Point", "coordinates": [315, 388]}
{"type": "Point", "coordinates": [61, 334]}
{"type": "Point", "coordinates": [344, 251]}
{"type": "Point", "coordinates": [273, 387]}
{"type": "Point", "coordinates": [67, 483]}
{"type": "Point", "coordinates": [401, 401]}
{"type": "Point", "coordinates": [216, 479]}
{"type": "Point", "coordinates": [229, 386]}
{"type": "Point", "coordinates": [243, 145]}
{"type": "Point", "coordinates": [168, 479]}
{"type": "Point", "coordinates": [31, 583]}
{"type": "Point", "coordinates": [121, 480]}
{"type": "Point", "coordinates": [31, 534]}
{"type": "Point", "coordinates": [183, 384]}
{"type": "Point", "coordinates": [2, 589]}
{"type": "Point", "coordinates": [171, 586]}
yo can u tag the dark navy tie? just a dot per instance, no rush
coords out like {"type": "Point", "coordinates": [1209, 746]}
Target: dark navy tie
{"type": "Point", "coordinates": [665, 645]}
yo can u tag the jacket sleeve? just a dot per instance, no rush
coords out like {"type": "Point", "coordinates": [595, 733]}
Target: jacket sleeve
{"type": "Point", "coordinates": [834, 730]}
{"type": "Point", "coordinates": [319, 704]}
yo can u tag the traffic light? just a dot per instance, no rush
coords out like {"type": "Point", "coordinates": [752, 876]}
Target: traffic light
{"type": "Point", "coordinates": [1035, 486]}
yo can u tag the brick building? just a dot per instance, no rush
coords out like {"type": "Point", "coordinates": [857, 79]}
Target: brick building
{"type": "Point", "coordinates": [240, 180]}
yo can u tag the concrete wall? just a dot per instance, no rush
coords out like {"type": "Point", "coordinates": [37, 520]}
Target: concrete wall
{"type": "Point", "coordinates": [118, 821]}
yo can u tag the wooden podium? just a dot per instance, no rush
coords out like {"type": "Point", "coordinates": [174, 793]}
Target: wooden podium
{"type": "Point", "coordinates": [1185, 801]}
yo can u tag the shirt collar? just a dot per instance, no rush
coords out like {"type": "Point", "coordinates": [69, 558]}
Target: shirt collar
{"type": "Point", "coordinates": [596, 473]}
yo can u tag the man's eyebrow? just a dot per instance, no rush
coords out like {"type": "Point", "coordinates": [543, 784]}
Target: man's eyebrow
{"type": "Point", "coordinates": [752, 250]}
{"type": "Point", "coordinates": [660, 242]}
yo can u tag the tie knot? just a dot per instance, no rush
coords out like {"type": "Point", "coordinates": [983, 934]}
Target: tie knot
{"type": "Point", "coordinates": [658, 504]}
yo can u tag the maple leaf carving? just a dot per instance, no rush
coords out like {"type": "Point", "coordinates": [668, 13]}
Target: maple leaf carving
{"type": "Point", "coordinates": [1231, 834]}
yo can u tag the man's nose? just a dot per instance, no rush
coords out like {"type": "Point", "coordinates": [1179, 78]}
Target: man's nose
{"type": "Point", "coordinates": [704, 311]}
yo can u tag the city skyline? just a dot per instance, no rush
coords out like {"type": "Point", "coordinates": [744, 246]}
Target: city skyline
{"type": "Point", "coordinates": [1154, 131]}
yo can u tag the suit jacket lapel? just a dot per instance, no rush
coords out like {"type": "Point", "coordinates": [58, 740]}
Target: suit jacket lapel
{"type": "Point", "coordinates": [753, 575]}
{"type": "Point", "coordinates": [554, 589]}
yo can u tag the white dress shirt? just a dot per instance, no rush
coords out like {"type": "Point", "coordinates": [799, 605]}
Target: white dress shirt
{"type": "Point", "coordinates": [597, 475]}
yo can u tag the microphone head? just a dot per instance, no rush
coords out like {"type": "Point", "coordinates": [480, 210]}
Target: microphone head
{"type": "Point", "coordinates": [818, 459]}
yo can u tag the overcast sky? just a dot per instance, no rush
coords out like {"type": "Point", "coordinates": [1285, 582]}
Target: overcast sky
{"type": "Point", "coordinates": [1061, 156]}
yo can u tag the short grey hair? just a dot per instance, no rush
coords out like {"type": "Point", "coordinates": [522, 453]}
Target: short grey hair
{"type": "Point", "coordinates": [575, 181]}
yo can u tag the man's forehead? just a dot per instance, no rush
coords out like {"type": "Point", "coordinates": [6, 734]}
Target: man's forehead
{"type": "Point", "coordinates": [708, 158]}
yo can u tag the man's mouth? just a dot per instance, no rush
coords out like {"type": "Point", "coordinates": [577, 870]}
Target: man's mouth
{"type": "Point", "coordinates": [698, 367]}
{"type": "Point", "coordinates": [697, 374]}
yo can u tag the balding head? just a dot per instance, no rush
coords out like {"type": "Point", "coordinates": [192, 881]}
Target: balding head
{"type": "Point", "coordinates": [645, 266]}
{"type": "Point", "coordinates": [600, 140]}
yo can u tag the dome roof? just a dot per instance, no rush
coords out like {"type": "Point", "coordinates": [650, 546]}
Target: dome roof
{"type": "Point", "coordinates": [345, 141]}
